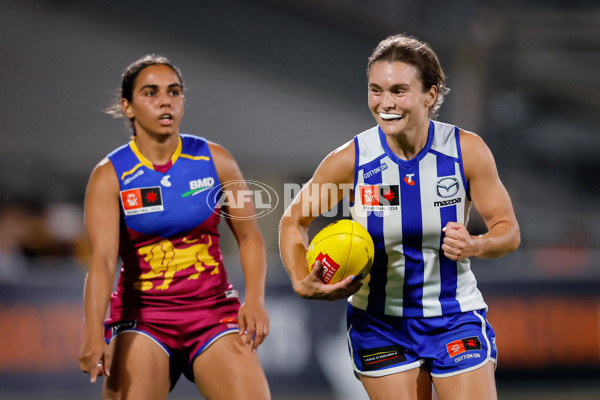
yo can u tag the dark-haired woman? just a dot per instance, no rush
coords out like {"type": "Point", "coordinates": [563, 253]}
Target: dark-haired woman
{"type": "Point", "coordinates": [420, 317]}
{"type": "Point", "coordinates": [154, 203]}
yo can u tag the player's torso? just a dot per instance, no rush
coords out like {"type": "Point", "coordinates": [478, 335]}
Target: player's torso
{"type": "Point", "coordinates": [405, 205]}
{"type": "Point", "coordinates": [169, 243]}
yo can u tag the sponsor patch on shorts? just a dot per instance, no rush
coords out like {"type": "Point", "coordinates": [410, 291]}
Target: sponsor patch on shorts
{"type": "Point", "coordinates": [462, 345]}
{"type": "Point", "coordinates": [381, 357]}
{"type": "Point", "coordinates": [122, 326]}
{"type": "Point", "coordinates": [232, 323]}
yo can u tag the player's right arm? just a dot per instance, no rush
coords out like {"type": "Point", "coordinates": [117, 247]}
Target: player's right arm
{"type": "Point", "coordinates": [337, 169]}
{"type": "Point", "coordinates": [101, 214]}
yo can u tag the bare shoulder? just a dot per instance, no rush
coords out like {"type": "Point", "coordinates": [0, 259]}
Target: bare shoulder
{"type": "Point", "coordinates": [219, 152]}
{"type": "Point", "coordinates": [227, 167]}
{"type": "Point", "coordinates": [220, 155]}
{"type": "Point", "coordinates": [338, 165]}
{"type": "Point", "coordinates": [102, 191]}
{"type": "Point", "coordinates": [471, 140]}
{"type": "Point", "coordinates": [104, 174]}
{"type": "Point", "coordinates": [476, 155]}
{"type": "Point", "coordinates": [345, 153]}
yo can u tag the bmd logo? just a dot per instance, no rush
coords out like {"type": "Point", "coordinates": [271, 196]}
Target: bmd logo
{"type": "Point", "coordinates": [447, 187]}
{"type": "Point", "coordinates": [199, 185]}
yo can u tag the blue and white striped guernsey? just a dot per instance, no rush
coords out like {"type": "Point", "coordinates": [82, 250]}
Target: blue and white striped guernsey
{"type": "Point", "coordinates": [404, 205]}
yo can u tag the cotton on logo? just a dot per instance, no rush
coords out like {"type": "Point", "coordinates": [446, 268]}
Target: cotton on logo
{"type": "Point", "coordinates": [408, 179]}
{"type": "Point", "coordinates": [463, 345]}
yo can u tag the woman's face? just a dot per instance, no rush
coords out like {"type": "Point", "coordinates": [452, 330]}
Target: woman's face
{"type": "Point", "coordinates": [157, 101]}
{"type": "Point", "coordinates": [396, 97]}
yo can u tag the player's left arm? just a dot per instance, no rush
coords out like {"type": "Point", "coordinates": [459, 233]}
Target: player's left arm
{"type": "Point", "coordinates": [491, 200]}
{"type": "Point", "coordinates": [253, 318]}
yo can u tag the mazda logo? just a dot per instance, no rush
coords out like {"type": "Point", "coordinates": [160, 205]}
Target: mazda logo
{"type": "Point", "coordinates": [447, 187]}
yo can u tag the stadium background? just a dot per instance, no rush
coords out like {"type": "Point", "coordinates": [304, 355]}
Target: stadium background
{"type": "Point", "coordinates": [280, 84]}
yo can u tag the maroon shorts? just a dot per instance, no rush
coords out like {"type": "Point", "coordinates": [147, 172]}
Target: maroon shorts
{"type": "Point", "coordinates": [187, 336]}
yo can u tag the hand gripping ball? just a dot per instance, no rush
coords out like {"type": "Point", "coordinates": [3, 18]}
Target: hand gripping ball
{"type": "Point", "coordinates": [344, 247]}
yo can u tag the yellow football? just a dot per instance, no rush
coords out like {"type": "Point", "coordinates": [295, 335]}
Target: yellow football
{"type": "Point", "coordinates": [344, 247]}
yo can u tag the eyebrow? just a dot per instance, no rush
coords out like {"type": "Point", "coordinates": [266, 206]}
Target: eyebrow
{"type": "Point", "coordinates": [395, 86]}
{"type": "Point", "coordinates": [172, 85]}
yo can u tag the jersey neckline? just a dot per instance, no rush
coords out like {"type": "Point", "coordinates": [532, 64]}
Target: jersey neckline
{"type": "Point", "coordinates": [394, 157]}
{"type": "Point", "coordinates": [147, 163]}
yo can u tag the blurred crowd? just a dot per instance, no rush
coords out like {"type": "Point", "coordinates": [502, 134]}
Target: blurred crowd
{"type": "Point", "coordinates": [32, 234]}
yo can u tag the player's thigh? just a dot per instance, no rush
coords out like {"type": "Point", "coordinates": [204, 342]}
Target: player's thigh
{"type": "Point", "coordinates": [139, 369]}
{"type": "Point", "coordinates": [476, 384]}
{"type": "Point", "coordinates": [412, 384]}
{"type": "Point", "coordinates": [228, 369]}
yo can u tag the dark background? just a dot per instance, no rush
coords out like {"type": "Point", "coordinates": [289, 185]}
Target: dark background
{"type": "Point", "coordinates": [280, 84]}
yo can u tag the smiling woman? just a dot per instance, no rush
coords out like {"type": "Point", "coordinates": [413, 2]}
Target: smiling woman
{"type": "Point", "coordinates": [420, 318]}
{"type": "Point", "coordinates": [174, 310]}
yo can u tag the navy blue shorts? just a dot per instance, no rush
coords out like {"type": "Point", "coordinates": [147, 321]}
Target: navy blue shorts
{"type": "Point", "coordinates": [448, 345]}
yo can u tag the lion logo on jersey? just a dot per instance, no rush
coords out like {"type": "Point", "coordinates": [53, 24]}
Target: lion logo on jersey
{"type": "Point", "coordinates": [166, 260]}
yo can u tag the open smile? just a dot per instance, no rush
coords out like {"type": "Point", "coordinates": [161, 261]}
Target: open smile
{"type": "Point", "coordinates": [390, 117]}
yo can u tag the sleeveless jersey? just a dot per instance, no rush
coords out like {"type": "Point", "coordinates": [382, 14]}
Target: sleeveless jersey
{"type": "Point", "coordinates": [169, 242]}
{"type": "Point", "coordinates": [405, 205]}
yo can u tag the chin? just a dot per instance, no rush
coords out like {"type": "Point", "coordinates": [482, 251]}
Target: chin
{"type": "Point", "coordinates": [390, 129]}
{"type": "Point", "coordinates": [168, 131]}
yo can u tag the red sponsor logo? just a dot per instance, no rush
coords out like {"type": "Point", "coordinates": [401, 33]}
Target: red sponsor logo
{"type": "Point", "coordinates": [142, 200]}
{"type": "Point", "coordinates": [389, 195]}
{"type": "Point", "coordinates": [370, 195]}
{"type": "Point", "coordinates": [232, 323]}
{"type": "Point", "coordinates": [330, 267]}
{"type": "Point", "coordinates": [460, 346]}
{"type": "Point", "coordinates": [380, 195]}
{"type": "Point", "coordinates": [132, 199]}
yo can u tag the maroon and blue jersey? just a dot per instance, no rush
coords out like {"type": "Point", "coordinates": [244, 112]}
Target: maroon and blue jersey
{"type": "Point", "coordinates": [169, 242]}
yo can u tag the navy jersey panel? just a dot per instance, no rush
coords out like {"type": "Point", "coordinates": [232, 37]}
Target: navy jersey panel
{"type": "Point", "coordinates": [169, 239]}
{"type": "Point", "coordinates": [171, 202]}
{"type": "Point", "coordinates": [405, 204]}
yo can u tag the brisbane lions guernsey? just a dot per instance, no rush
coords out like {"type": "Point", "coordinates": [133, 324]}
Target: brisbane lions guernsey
{"type": "Point", "coordinates": [405, 205]}
{"type": "Point", "coordinates": [169, 243]}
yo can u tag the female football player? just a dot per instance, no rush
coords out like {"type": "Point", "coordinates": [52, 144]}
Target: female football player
{"type": "Point", "coordinates": [419, 318]}
{"type": "Point", "coordinates": [154, 202]}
